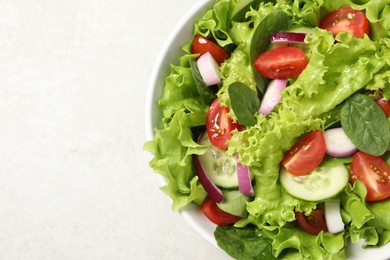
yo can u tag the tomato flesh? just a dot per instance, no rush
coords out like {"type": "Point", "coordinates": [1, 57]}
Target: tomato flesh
{"type": "Point", "coordinates": [216, 215]}
{"type": "Point", "coordinates": [314, 223]}
{"type": "Point", "coordinates": [219, 125]}
{"type": "Point", "coordinates": [306, 154]}
{"type": "Point", "coordinates": [202, 45]}
{"type": "Point", "coordinates": [374, 172]}
{"type": "Point", "coordinates": [281, 63]}
{"type": "Point", "coordinates": [346, 20]}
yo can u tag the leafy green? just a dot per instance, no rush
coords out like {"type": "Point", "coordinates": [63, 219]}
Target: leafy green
{"type": "Point", "coordinates": [203, 89]}
{"type": "Point", "coordinates": [215, 23]}
{"type": "Point", "coordinates": [365, 124]}
{"type": "Point", "coordinates": [380, 210]}
{"type": "Point", "coordinates": [244, 243]}
{"type": "Point", "coordinates": [244, 103]}
{"type": "Point", "coordinates": [298, 244]}
{"type": "Point", "coordinates": [173, 147]}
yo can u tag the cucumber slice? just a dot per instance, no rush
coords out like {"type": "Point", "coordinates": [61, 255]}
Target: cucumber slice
{"type": "Point", "coordinates": [234, 202]}
{"type": "Point", "coordinates": [301, 29]}
{"type": "Point", "coordinates": [319, 185]}
{"type": "Point", "coordinates": [220, 167]}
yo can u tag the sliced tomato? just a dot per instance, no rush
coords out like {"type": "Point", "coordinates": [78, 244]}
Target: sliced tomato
{"type": "Point", "coordinates": [219, 125]}
{"type": "Point", "coordinates": [306, 154]}
{"type": "Point", "coordinates": [314, 223]}
{"type": "Point", "coordinates": [384, 105]}
{"type": "Point", "coordinates": [202, 45]}
{"type": "Point", "coordinates": [346, 20]}
{"type": "Point", "coordinates": [216, 215]}
{"type": "Point", "coordinates": [374, 172]}
{"type": "Point", "coordinates": [281, 63]}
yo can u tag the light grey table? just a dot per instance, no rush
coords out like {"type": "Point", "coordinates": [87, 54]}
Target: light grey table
{"type": "Point", "coordinates": [75, 181]}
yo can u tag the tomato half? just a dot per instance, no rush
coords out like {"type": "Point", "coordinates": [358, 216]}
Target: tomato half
{"type": "Point", "coordinates": [306, 154]}
{"type": "Point", "coordinates": [314, 223]}
{"type": "Point", "coordinates": [346, 20]}
{"type": "Point", "coordinates": [281, 63]}
{"type": "Point", "coordinates": [219, 125]}
{"type": "Point", "coordinates": [384, 105]}
{"type": "Point", "coordinates": [374, 172]}
{"type": "Point", "coordinates": [202, 45]}
{"type": "Point", "coordinates": [216, 215]}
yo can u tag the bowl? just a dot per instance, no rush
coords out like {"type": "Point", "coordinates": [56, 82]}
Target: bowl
{"type": "Point", "coordinates": [169, 54]}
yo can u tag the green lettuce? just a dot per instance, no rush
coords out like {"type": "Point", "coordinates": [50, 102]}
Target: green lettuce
{"type": "Point", "coordinates": [173, 148]}
{"type": "Point", "coordinates": [183, 109]}
{"type": "Point", "coordinates": [294, 243]}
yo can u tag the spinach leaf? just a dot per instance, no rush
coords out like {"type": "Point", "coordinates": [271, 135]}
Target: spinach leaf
{"type": "Point", "coordinates": [244, 243]}
{"type": "Point", "coordinates": [365, 124]}
{"type": "Point", "coordinates": [201, 86]}
{"type": "Point", "coordinates": [275, 21]}
{"type": "Point", "coordinates": [244, 102]}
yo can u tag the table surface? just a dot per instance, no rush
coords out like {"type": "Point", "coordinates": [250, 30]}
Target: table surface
{"type": "Point", "coordinates": [75, 181]}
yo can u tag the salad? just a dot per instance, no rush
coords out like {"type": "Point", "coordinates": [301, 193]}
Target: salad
{"type": "Point", "coordinates": [276, 123]}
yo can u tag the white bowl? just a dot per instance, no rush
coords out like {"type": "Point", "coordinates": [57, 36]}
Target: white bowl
{"type": "Point", "coordinates": [170, 54]}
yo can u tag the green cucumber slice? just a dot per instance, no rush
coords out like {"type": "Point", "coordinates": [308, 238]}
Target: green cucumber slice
{"type": "Point", "coordinates": [234, 202]}
{"type": "Point", "coordinates": [319, 185]}
{"type": "Point", "coordinates": [301, 29]}
{"type": "Point", "coordinates": [220, 167]}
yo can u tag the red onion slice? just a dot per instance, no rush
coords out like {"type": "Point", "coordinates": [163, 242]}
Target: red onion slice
{"type": "Point", "coordinates": [288, 37]}
{"type": "Point", "coordinates": [209, 69]}
{"type": "Point", "coordinates": [338, 143]}
{"type": "Point", "coordinates": [272, 95]}
{"type": "Point", "coordinates": [244, 180]}
{"type": "Point", "coordinates": [212, 190]}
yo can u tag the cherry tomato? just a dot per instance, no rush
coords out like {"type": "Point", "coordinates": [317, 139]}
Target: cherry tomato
{"type": "Point", "coordinates": [314, 223]}
{"type": "Point", "coordinates": [219, 125]}
{"type": "Point", "coordinates": [346, 20]}
{"type": "Point", "coordinates": [281, 63]}
{"type": "Point", "coordinates": [374, 172]}
{"type": "Point", "coordinates": [306, 154]}
{"type": "Point", "coordinates": [216, 215]}
{"type": "Point", "coordinates": [202, 45]}
{"type": "Point", "coordinates": [384, 105]}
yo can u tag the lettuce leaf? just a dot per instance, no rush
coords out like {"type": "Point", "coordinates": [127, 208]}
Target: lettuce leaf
{"type": "Point", "coordinates": [173, 148]}
{"type": "Point", "coordinates": [294, 243]}
{"type": "Point", "coordinates": [183, 109]}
